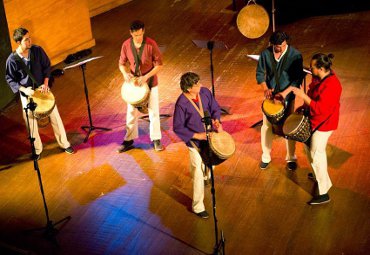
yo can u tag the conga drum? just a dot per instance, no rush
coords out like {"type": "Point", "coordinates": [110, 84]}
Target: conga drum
{"type": "Point", "coordinates": [297, 127]}
{"type": "Point", "coordinates": [274, 110]}
{"type": "Point", "coordinates": [222, 147]}
{"type": "Point", "coordinates": [137, 96]}
{"type": "Point", "coordinates": [253, 21]}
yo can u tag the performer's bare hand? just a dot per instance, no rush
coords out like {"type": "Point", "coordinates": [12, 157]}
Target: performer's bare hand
{"type": "Point", "coordinates": [28, 91]}
{"type": "Point", "coordinates": [217, 125]}
{"type": "Point", "coordinates": [298, 92]}
{"type": "Point", "coordinates": [128, 76]}
{"type": "Point", "coordinates": [44, 88]}
{"type": "Point", "coordinates": [268, 93]}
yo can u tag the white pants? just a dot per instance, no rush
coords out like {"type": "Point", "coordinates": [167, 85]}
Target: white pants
{"type": "Point", "coordinates": [266, 143]}
{"type": "Point", "coordinates": [198, 176]}
{"type": "Point", "coordinates": [56, 123]}
{"type": "Point", "coordinates": [132, 128]}
{"type": "Point", "coordinates": [316, 155]}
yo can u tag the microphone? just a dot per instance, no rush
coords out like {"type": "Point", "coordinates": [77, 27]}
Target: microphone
{"type": "Point", "coordinates": [31, 105]}
{"type": "Point", "coordinates": [207, 121]}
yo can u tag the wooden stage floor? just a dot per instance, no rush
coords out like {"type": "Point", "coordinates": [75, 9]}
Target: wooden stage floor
{"type": "Point", "coordinates": [139, 202]}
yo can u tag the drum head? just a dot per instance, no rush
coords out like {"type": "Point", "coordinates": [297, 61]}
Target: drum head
{"type": "Point", "coordinates": [222, 144]}
{"type": "Point", "coordinates": [270, 107]}
{"type": "Point", "coordinates": [135, 95]}
{"type": "Point", "coordinates": [45, 103]}
{"type": "Point", "coordinates": [253, 21]}
{"type": "Point", "coordinates": [292, 123]}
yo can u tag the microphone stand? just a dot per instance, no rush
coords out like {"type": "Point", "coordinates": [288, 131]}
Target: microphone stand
{"type": "Point", "coordinates": [219, 247]}
{"type": "Point", "coordinates": [49, 230]}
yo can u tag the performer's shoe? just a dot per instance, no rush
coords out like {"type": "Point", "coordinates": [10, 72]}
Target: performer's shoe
{"type": "Point", "coordinates": [291, 166]}
{"type": "Point", "coordinates": [320, 199]}
{"type": "Point", "coordinates": [203, 215]}
{"type": "Point", "coordinates": [69, 150]}
{"type": "Point", "coordinates": [37, 157]}
{"type": "Point", "coordinates": [264, 165]}
{"type": "Point", "coordinates": [157, 145]}
{"type": "Point", "coordinates": [126, 145]}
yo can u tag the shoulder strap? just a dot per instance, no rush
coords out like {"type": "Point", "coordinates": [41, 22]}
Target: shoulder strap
{"type": "Point", "coordinates": [137, 56]}
{"type": "Point", "coordinates": [274, 69]}
{"type": "Point", "coordinates": [199, 109]}
{"type": "Point", "coordinates": [26, 69]}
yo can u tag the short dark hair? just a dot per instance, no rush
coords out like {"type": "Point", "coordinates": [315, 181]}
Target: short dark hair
{"type": "Point", "coordinates": [19, 33]}
{"type": "Point", "coordinates": [278, 37]}
{"type": "Point", "coordinates": [188, 80]}
{"type": "Point", "coordinates": [136, 25]}
{"type": "Point", "coordinates": [323, 60]}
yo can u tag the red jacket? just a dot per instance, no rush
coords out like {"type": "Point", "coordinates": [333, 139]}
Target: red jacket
{"type": "Point", "coordinates": [324, 106]}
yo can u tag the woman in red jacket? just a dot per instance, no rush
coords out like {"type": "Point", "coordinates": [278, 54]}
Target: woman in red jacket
{"type": "Point", "coordinates": [322, 102]}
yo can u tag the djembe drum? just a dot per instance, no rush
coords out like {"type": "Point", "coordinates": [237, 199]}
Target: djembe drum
{"type": "Point", "coordinates": [45, 105]}
{"type": "Point", "coordinates": [136, 95]}
{"type": "Point", "coordinates": [222, 147]}
{"type": "Point", "coordinates": [297, 127]}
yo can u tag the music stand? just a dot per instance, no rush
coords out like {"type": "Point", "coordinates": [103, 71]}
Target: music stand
{"type": "Point", "coordinates": [82, 65]}
{"type": "Point", "coordinates": [210, 45]}
{"type": "Point", "coordinates": [49, 230]}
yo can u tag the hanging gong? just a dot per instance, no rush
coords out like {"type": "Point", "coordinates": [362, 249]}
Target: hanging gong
{"type": "Point", "coordinates": [253, 21]}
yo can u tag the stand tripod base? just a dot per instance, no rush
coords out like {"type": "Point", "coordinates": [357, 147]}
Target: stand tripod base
{"type": "Point", "coordinates": [91, 128]}
{"type": "Point", "coordinates": [220, 247]}
{"type": "Point", "coordinates": [259, 123]}
{"type": "Point", "coordinates": [225, 110]}
{"type": "Point", "coordinates": [49, 231]}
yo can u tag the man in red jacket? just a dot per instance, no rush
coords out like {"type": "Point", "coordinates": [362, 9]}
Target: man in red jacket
{"type": "Point", "coordinates": [323, 102]}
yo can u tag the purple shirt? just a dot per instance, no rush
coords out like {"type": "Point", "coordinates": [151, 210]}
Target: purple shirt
{"type": "Point", "coordinates": [187, 120]}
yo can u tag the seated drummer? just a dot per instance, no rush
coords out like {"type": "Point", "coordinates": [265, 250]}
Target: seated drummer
{"type": "Point", "coordinates": [19, 80]}
{"type": "Point", "coordinates": [187, 124]}
{"type": "Point", "coordinates": [279, 66]}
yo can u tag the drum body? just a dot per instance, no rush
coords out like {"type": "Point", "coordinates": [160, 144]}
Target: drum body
{"type": "Point", "coordinates": [137, 96]}
{"type": "Point", "coordinates": [297, 127]}
{"type": "Point", "coordinates": [222, 147]}
{"type": "Point", "coordinates": [253, 21]}
{"type": "Point", "coordinates": [274, 111]}
{"type": "Point", "coordinates": [45, 104]}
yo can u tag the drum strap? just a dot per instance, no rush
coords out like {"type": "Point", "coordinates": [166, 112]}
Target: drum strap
{"type": "Point", "coordinates": [26, 69]}
{"type": "Point", "coordinates": [138, 60]}
{"type": "Point", "coordinates": [199, 109]}
{"type": "Point", "coordinates": [274, 69]}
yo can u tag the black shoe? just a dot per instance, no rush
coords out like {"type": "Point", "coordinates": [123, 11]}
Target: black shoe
{"type": "Point", "coordinates": [37, 157]}
{"type": "Point", "coordinates": [291, 166]}
{"type": "Point", "coordinates": [321, 199]}
{"type": "Point", "coordinates": [126, 145]}
{"type": "Point", "coordinates": [157, 145]}
{"type": "Point", "coordinates": [311, 176]}
{"type": "Point", "coordinates": [69, 150]}
{"type": "Point", "coordinates": [264, 165]}
{"type": "Point", "coordinates": [203, 215]}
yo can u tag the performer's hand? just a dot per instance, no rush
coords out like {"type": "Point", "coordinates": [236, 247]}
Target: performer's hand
{"type": "Point", "coordinates": [28, 91]}
{"type": "Point", "coordinates": [298, 92]}
{"type": "Point", "coordinates": [44, 88]}
{"type": "Point", "coordinates": [128, 76]}
{"type": "Point", "coordinates": [217, 125]}
{"type": "Point", "coordinates": [137, 81]}
{"type": "Point", "coordinates": [279, 97]}
{"type": "Point", "coordinates": [268, 93]}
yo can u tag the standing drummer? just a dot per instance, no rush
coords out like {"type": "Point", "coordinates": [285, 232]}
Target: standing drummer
{"type": "Point", "coordinates": [141, 58]}
{"type": "Point", "coordinates": [188, 124]}
{"type": "Point", "coordinates": [279, 66]}
{"type": "Point", "coordinates": [33, 58]}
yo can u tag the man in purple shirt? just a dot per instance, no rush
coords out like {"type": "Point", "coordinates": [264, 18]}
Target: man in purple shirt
{"type": "Point", "coordinates": [192, 105]}
{"type": "Point", "coordinates": [36, 60]}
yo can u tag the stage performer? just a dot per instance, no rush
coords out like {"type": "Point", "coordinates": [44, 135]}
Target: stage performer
{"type": "Point", "coordinates": [191, 106]}
{"type": "Point", "coordinates": [141, 58]}
{"type": "Point", "coordinates": [279, 66]}
{"type": "Point", "coordinates": [322, 102]}
{"type": "Point", "coordinates": [33, 58]}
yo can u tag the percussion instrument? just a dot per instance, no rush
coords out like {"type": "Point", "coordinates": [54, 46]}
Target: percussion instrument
{"type": "Point", "coordinates": [253, 21]}
{"type": "Point", "coordinates": [136, 95]}
{"type": "Point", "coordinates": [222, 147]}
{"type": "Point", "coordinates": [274, 110]}
{"type": "Point", "coordinates": [45, 104]}
{"type": "Point", "coordinates": [297, 127]}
